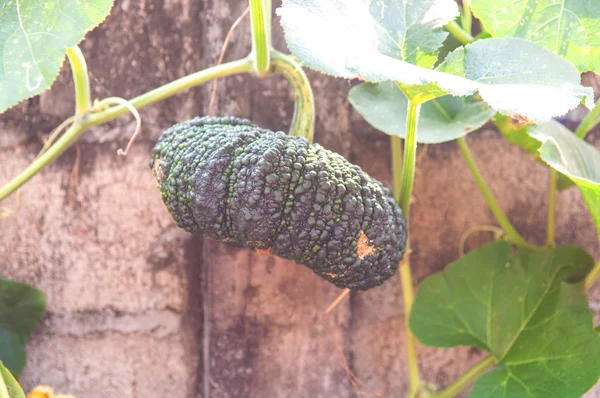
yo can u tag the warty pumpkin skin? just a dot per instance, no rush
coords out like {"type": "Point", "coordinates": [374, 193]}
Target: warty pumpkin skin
{"type": "Point", "coordinates": [235, 182]}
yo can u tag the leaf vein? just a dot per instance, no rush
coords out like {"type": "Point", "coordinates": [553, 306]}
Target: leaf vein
{"type": "Point", "coordinates": [35, 62]}
{"type": "Point", "coordinates": [533, 311]}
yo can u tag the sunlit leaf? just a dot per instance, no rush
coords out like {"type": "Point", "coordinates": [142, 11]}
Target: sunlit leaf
{"type": "Point", "coordinates": [384, 106]}
{"type": "Point", "coordinates": [372, 42]}
{"type": "Point", "coordinates": [516, 76]}
{"type": "Point", "coordinates": [570, 28]}
{"type": "Point", "coordinates": [331, 35]}
{"type": "Point", "coordinates": [34, 36]}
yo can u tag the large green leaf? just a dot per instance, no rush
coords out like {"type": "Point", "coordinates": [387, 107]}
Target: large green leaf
{"type": "Point", "coordinates": [570, 28]}
{"type": "Point", "coordinates": [21, 309]}
{"type": "Point", "coordinates": [572, 156]}
{"type": "Point", "coordinates": [34, 36]}
{"type": "Point", "coordinates": [516, 76]}
{"type": "Point", "coordinates": [9, 387]}
{"type": "Point", "coordinates": [333, 36]}
{"type": "Point", "coordinates": [373, 42]}
{"type": "Point", "coordinates": [527, 309]}
{"type": "Point", "coordinates": [384, 106]}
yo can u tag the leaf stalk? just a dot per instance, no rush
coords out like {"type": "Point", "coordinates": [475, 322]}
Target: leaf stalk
{"type": "Point", "coordinates": [410, 151]}
{"type": "Point", "coordinates": [551, 208]}
{"type": "Point", "coordinates": [511, 232]}
{"type": "Point", "coordinates": [81, 80]}
{"type": "Point", "coordinates": [592, 276]}
{"type": "Point", "coordinates": [195, 79]}
{"type": "Point", "coordinates": [466, 378]}
{"type": "Point", "coordinates": [411, 341]}
{"type": "Point", "coordinates": [260, 21]}
{"type": "Point", "coordinates": [589, 122]}
{"type": "Point", "coordinates": [44, 159]}
{"type": "Point", "coordinates": [403, 195]}
{"type": "Point", "coordinates": [396, 166]}
{"type": "Point", "coordinates": [459, 33]}
{"type": "Point", "coordinates": [303, 122]}
{"type": "Point", "coordinates": [466, 18]}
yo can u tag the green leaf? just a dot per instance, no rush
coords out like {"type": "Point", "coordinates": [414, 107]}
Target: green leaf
{"type": "Point", "coordinates": [572, 156]}
{"type": "Point", "coordinates": [443, 119]}
{"type": "Point", "coordinates": [21, 309]}
{"type": "Point", "coordinates": [406, 30]}
{"type": "Point", "coordinates": [515, 76]}
{"type": "Point", "coordinates": [518, 134]}
{"type": "Point", "coordinates": [450, 44]}
{"type": "Point", "coordinates": [374, 43]}
{"type": "Point", "coordinates": [529, 310]}
{"type": "Point", "coordinates": [34, 36]}
{"type": "Point", "coordinates": [9, 387]}
{"type": "Point", "coordinates": [569, 28]}
{"type": "Point", "coordinates": [559, 362]}
{"type": "Point", "coordinates": [563, 182]}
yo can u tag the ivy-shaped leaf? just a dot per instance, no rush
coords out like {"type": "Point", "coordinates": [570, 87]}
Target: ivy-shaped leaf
{"type": "Point", "coordinates": [569, 28]}
{"type": "Point", "coordinates": [573, 157]}
{"type": "Point", "coordinates": [34, 36]}
{"type": "Point", "coordinates": [527, 309]}
{"type": "Point", "coordinates": [21, 309]}
{"type": "Point", "coordinates": [443, 119]}
{"type": "Point", "coordinates": [9, 387]}
{"type": "Point", "coordinates": [372, 41]}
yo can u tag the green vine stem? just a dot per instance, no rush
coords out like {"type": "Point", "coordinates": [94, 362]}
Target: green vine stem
{"type": "Point", "coordinates": [303, 122]}
{"type": "Point", "coordinates": [396, 166]}
{"type": "Point", "coordinates": [592, 276]}
{"type": "Point", "coordinates": [44, 159]}
{"type": "Point", "coordinates": [404, 195]}
{"type": "Point", "coordinates": [260, 18]}
{"type": "Point", "coordinates": [82, 82]}
{"type": "Point", "coordinates": [511, 232]}
{"type": "Point", "coordinates": [551, 207]}
{"type": "Point", "coordinates": [466, 19]}
{"type": "Point", "coordinates": [459, 33]}
{"type": "Point", "coordinates": [589, 122]}
{"type": "Point", "coordinates": [466, 378]}
{"type": "Point", "coordinates": [410, 151]}
{"type": "Point", "coordinates": [158, 94]}
{"type": "Point", "coordinates": [408, 295]}
{"type": "Point", "coordinates": [231, 68]}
